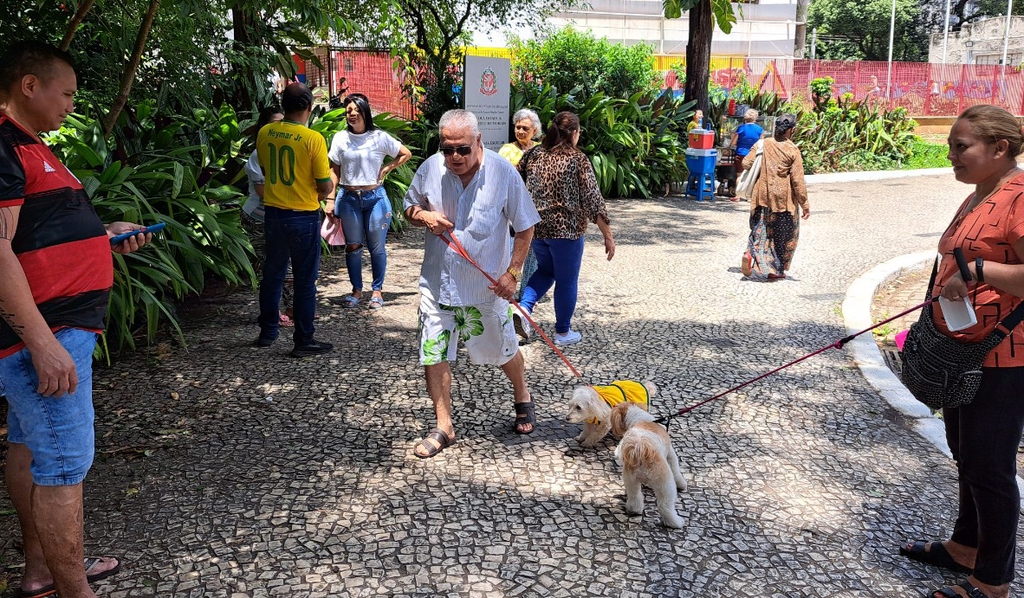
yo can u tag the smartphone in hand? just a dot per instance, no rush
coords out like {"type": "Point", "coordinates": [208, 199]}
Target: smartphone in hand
{"type": "Point", "coordinates": [147, 229]}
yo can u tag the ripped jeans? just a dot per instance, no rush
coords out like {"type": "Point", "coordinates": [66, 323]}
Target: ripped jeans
{"type": "Point", "coordinates": [365, 218]}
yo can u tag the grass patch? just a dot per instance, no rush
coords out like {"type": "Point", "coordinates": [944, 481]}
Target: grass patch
{"type": "Point", "coordinates": [927, 155]}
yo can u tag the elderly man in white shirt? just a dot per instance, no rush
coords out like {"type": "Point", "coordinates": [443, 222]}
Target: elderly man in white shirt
{"type": "Point", "coordinates": [474, 195]}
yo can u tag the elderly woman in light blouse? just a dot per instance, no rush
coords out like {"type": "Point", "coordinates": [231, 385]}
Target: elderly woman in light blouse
{"type": "Point", "coordinates": [528, 129]}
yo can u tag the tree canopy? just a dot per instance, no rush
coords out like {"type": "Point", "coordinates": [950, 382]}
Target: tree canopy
{"type": "Point", "coordinates": [178, 52]}
{"type": "Point", "coordinates": [703, 15]}
{"type": "Point", "coordinates": [859, 29]}
{"type": "Point", "coordinates": [571, 59]}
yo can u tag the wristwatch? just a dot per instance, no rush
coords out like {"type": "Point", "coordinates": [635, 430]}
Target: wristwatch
{"type": "Point", "coordinates": [979, 269]}
{"type": "Point", "coordinates": [516, 273]}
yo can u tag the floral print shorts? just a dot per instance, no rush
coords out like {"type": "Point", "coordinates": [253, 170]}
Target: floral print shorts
{"type": "Point", "coordinates": [486, 331]}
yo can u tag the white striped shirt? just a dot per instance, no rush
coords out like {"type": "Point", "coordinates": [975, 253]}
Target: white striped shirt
{"type": "Point", "coordinates": [482, 212]}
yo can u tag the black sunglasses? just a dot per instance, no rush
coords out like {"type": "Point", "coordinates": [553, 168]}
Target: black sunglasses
{"type": "Point", "coordinates": [462, 150]}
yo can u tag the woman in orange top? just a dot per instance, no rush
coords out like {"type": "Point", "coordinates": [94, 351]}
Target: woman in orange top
{"type": "Point", "coordinates": [984, 435]}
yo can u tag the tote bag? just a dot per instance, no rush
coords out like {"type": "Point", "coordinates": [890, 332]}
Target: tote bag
{"type": "Point", "coordinates": [745, 184]}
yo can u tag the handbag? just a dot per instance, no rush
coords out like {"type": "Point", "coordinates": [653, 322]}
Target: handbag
{"type": "Point", "coordinates": [331, 232]}
{"type": "Point", "coordinates": [745, 184]}
{"type": "Point", "coordinates": [941, 371]}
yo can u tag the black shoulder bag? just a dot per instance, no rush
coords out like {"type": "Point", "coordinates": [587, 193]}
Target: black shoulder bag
{"type": "Point", "coordinates": [941, 371]}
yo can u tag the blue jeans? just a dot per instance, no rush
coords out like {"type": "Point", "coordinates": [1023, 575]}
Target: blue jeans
{"type": "Point", "coordinates": [290, 236]}
{"type": "Point", "coordinates": [365, 218]}
{"type": "Point", "coordinates": [58, 431]}
{"type": "Point", "coordinates": [558, 263]}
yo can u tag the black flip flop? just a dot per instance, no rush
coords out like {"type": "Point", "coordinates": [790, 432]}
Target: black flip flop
{"type": "Point", "coordinates": [970, 588]}
{"type": "Point", "coordinates": [89, 562]}
{"type": "Point", "coordinates": [525, 414]}
{"type": "Point", "coordinates": [437, 435]}
{"type": "Point", "coordinates": [936, 555]}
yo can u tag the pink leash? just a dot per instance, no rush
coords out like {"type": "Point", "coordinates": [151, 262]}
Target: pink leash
{"type": "Point", "coordinates": [454, 244]}
{"type": "Point", "coordinates": [836, 345]}
{"type": "Point", "coordinates": [457, 247]}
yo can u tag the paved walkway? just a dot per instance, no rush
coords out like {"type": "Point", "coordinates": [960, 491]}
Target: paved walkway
{"type": "Point", "coordinates": [230, 471]}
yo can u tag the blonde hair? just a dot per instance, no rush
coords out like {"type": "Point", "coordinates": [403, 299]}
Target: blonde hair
{"type": "Point", "coordinates": [994, 123]}
{"type": "Point", "coordinates": [750, 115]}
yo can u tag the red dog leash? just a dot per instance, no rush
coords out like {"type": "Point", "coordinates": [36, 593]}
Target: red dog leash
{"type": "Point", "coordinates": [836, 345]}
{"type": "Point", "coordinates": [454, 244]}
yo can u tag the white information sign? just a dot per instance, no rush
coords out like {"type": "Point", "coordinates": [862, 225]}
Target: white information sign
{"type": "Point", "coordinates": [487, 96]}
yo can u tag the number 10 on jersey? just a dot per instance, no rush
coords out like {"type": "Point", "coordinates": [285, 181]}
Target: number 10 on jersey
{"type": "Point", "coordinates": [282, 165]}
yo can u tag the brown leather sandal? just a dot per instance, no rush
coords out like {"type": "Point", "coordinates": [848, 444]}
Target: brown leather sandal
{"type": "Point", "coordinates": [429, 450]}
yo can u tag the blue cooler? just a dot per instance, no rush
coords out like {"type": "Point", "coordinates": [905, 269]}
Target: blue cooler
{"type": "Point", "coordinates": [701, 164]}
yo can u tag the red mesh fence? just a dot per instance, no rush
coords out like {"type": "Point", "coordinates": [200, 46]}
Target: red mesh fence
{"type": "Point", "coordinates": [923, 89]}
{"type": "Point", "coordinates": [368, 72]}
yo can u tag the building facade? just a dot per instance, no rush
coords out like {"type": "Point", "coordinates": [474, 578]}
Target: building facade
{"type": "Point", "coordinates": [980, 42]}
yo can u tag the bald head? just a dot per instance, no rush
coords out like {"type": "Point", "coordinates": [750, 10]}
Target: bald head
{"type": "Point", "coordinates": [296, 101]}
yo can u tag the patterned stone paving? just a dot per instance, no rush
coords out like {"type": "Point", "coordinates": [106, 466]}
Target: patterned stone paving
{"type": "Point", "coordinates": [227, 471]}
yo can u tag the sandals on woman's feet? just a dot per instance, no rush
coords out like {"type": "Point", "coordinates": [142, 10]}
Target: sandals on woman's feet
{"type": "Point", "coordinates": [970, 588]}
{"type": "Point", "coordinates": [429, 450]}
{"type": "Point", "coordinates": [525, 415]}
{"type": "Point", "coordinates": [349, 301]}
{"type": "Point", "coordinates": [376, 303]}
{"type": "Point", "coordinates": [932, 553]}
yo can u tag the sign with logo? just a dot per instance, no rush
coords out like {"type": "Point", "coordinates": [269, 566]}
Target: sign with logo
{"type": "Point", "coordinates": [487, 96]}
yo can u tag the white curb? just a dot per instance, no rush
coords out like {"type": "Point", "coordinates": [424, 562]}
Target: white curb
{"type": "Point", "coordinates": [867, 356]}
{"type": "Point", "coordinates": [872, 175]}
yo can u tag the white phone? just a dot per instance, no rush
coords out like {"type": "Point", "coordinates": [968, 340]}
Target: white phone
{"type": "Point", "coordinates": [958, 314]}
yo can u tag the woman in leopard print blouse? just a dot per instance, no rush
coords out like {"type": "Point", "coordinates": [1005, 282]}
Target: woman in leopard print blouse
{"type": "Point", "coordinates": [564, 189]}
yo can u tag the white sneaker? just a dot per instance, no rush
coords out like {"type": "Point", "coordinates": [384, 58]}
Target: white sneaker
{"type": "Point", "coordinates": [569, 338]}
{"type": "Point", "coordinates": [522, 325]}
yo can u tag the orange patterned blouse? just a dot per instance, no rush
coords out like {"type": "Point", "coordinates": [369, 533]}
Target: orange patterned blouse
{"type": "Point", "coordinates": [989, 231]}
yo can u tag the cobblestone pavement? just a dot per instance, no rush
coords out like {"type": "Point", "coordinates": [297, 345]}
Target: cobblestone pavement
{"type": "Point", "coordinates": [229, 471]}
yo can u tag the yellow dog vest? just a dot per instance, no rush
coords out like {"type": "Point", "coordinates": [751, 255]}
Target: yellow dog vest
{"type": "Point", "coordinates": [621, 391]}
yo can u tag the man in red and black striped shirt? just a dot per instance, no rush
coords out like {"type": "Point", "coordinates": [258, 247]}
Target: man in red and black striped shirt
{"type": "Point", "coordinates": [55, 276]}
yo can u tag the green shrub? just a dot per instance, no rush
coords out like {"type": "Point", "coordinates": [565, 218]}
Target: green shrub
{"type": "Point", "coordinates": [927, 155]}
{"type": "Point", "coordinates": [578, 63]}
{"type": "Point", "coordinates": [848, 135]}
{"type": "Point", "coordinates": [635, 145]}
{"type": "Point", "coordinates": [161, 169]}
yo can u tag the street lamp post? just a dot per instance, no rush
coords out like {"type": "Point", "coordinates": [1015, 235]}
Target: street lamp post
{"type": "Point", "coordinates": [892, 33]}
{"type": "Point", "coordinates": [945, 35]}
{"type": "Point", "coordinates": [1006, 37]}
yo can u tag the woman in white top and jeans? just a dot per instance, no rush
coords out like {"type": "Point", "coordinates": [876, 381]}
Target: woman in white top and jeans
{"type": "Point", "coordinates": [357, 161]}
{"type": "Point", "coordinates": [252, 213]}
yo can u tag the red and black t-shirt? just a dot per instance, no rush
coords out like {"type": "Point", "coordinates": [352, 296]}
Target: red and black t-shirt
{"type": "Point", "coordinates": [60, 241]}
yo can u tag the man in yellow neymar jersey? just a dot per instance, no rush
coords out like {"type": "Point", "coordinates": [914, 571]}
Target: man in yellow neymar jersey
{"type": "Point", "coordinates": [297, 176]}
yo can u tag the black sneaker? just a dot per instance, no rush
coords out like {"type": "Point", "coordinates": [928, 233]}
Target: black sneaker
{"type": "Point", "coordinates": [263, 342]}
{"type": "Point", "coordinates": [313, 348]}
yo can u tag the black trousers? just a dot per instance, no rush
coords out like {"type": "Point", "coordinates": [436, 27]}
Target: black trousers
{"type": "Point", "coordinates": [983, 437]}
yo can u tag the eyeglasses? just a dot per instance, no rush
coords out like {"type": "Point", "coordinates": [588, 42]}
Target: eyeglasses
{"type": "Point", "coordinates": [462, 150]}
{"type": "Point", "coordinates": [524, 128]}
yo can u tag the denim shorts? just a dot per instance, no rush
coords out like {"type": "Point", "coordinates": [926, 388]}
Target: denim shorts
{"type": "Point", "coordinates": [57, 430]}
